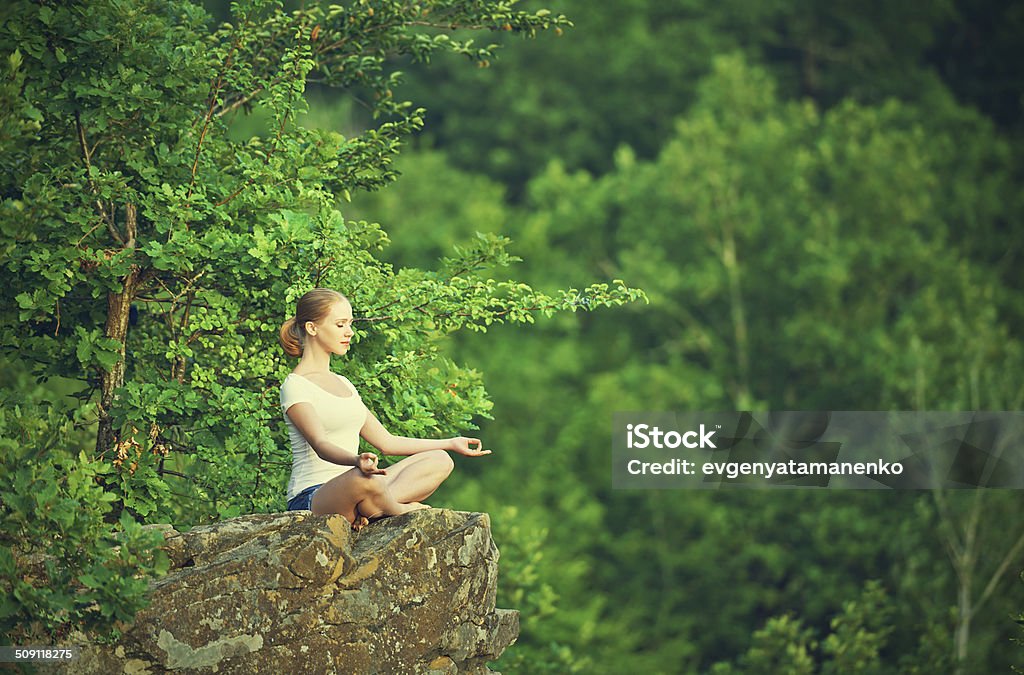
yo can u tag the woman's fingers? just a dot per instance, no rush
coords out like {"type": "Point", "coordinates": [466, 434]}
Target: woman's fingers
{"type": "Point", "coordinates": [368, 465]}
{"type": "Point", "coordinates": [479, 450]}
{"type": "Point", "coordinates": [373, 471]}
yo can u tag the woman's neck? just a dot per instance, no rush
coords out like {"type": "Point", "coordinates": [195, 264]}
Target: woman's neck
{"type": "Point", "coordinates": [314, 362]}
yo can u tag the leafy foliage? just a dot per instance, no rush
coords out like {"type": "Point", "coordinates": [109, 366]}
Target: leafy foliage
{"type": "Point", "coordinates": [152, 255]}
{"type": "Point", "coordinates": [795, 257]}
{"type": "Point", "coordinates": [784, 645]}
{"type": "Point", "coordinates": [821, 199]}
{"type": "Point", "coordinates": [579, 93]}
{"type": "Point", "coordinates": [62, 567]}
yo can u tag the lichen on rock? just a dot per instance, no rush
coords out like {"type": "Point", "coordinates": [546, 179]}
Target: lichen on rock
{"type": "Point", "coordinates": [298, 593]}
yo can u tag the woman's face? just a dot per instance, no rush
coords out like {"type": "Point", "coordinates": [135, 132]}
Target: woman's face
{"type": "Point", "coordinates": [334, 332]}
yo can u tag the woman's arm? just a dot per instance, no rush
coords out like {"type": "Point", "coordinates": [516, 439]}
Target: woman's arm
{"type": "Point", "coordinates": [305, 419]}
{"type": "Point", "coordinates": [389, 444]}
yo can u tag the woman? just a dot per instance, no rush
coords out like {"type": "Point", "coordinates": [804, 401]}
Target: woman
{"type": "Point", "coordinates": [326, 417]}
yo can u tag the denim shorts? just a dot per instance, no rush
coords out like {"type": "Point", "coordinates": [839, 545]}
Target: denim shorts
{"type": "Point", "coordinates": [304, 500]}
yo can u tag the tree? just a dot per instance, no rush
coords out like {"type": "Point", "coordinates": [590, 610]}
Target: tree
{"type": "Point", "coordinates": [978, 564]}
{"type": "Point", "coordinates": [152, 255]}
{"type": "Point", "coordinates": [578, 93]}
{"type": "Point", "coordinates": [858, 634]}
{"type": "Point", "coordinates": [795, 258]}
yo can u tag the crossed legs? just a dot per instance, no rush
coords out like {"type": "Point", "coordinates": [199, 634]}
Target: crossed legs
{"type": "Point", "coordinates": [359, 497]}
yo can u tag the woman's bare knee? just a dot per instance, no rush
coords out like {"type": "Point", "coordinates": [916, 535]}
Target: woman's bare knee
{"type": "Point", "coordinates": [370, 486]}
{"type": "Point", "coordinates": [342, 493]}
{"type": "Point", "coordinates": [442, 461]}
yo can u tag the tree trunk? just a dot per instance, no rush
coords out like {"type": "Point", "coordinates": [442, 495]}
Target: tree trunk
{"type": "Point", "coordinates": [118, 306]}
{"type": "Point", "coordinates": [741, 393]}
{"type": "Point", "coordinates": [964, 613]}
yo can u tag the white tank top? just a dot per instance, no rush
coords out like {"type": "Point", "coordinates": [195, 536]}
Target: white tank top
{"type": "Point", "coordinates": [342, 418]}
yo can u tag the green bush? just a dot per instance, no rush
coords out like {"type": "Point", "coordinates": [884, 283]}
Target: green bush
{"type": "Point", "coordinates": [62, 566]}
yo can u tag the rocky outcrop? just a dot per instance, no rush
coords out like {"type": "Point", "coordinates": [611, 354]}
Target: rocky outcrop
{"type": "Point", "coordinates": [298, 593]}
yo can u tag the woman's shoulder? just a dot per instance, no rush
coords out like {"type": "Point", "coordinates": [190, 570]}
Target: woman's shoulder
{"type": "Point", "coordinates": [290, 380]}
{"type": "Point", "coordinates": [348, 383]}
{"type": "Point", "coordinates": [298, 379]}
{"type": "Point", "coordinates": [293, 380]}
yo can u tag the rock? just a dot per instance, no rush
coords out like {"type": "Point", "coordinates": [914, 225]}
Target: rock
{"type": "Point", "coordinates": [298, 593]}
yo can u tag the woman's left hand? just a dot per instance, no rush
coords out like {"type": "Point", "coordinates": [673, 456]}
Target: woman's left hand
{"type": "Point", "coordinates": [462, 445]}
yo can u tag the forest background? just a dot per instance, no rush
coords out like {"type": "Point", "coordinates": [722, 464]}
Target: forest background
{"type": "Point", "coordinates": [822, 204]}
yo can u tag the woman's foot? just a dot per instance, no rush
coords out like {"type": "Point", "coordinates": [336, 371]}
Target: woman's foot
{"type": "Point", "coordinates": [362, 521]}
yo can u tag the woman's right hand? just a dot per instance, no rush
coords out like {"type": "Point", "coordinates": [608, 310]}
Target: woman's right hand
{"type": "Point", "coordinates": [367, 463]}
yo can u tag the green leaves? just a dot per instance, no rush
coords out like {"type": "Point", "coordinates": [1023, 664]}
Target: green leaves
{"type": "Point", "coordinates": [93, 349]}
{"type": "Point", "coordinates": [858, 635]}
{"type": "Point", "coordinates": [153, 250]}
{"type": "Point", "coordinates": [58, 559]}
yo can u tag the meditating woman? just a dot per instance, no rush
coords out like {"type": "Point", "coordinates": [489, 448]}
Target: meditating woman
{"type": "Point", "coordinates": [325, 418]}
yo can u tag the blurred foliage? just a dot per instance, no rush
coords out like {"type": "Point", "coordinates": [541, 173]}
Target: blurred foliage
{"type": "Point", "coordinates": [855, 253]}
{"type": "Point", "coordinates": [821, 200]}
{"type": "Point", "coordinates": [783, 645]}
{"type": "Point", "coordinates": [1018, 639]}
{"type": "Point", "coordinates": [624, 71]}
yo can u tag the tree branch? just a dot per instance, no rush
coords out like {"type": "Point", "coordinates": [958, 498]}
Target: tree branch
{"type": "Point", "coordinates": [266, 161]}
{"type": "Point", "coordinates": [443, 315]}
{"type": "Point", "coordinates": [248, 97]}
{"type": "Point", "coordinates": [1007, 559]}
{"type": "Point", "coordinates": [209, 115]}
{"type": "Point", "coordinates": [108, 219]}
{"type": "Point", "coordinates": [946, 520]}
{"type": "Point", "coordinates": [240, 102]}
{"type": "Point", "coordinates": [131, 224]}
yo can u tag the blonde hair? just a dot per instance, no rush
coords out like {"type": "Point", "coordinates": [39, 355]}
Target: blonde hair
{"type": "Point", "coordinates": [313, 306]}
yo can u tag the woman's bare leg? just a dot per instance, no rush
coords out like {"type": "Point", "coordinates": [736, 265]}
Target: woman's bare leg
{"type": "Point", "coordinates": [357, 496]}
{"type": "Point", "coordinates": [415, 478]}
